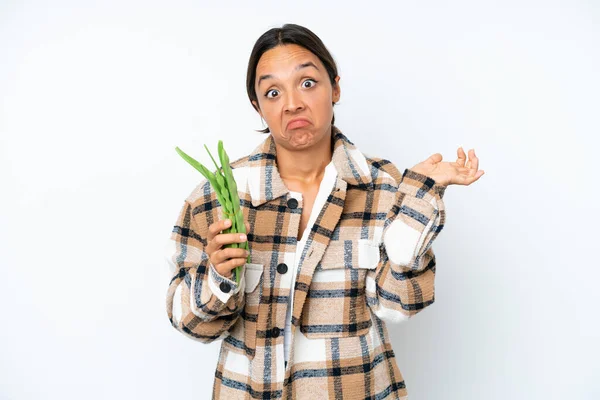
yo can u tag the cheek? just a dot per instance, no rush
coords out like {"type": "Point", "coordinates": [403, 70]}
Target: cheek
{"type": "Point", "coordinates": [323, 104]}
{"type": "Point", "coordinates": [269, 111]}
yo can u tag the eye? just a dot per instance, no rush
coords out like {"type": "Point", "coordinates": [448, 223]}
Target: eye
{"type": "Point", "coordinates": [310, 82]}
{"type": "Point", "coordinates": [271, 93]}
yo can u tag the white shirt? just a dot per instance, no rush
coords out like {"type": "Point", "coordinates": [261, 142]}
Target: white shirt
{"type": "Point", "coordinates": [325, 187]}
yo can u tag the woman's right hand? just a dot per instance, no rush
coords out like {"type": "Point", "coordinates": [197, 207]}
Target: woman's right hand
{"type": "Point", "coordinates": [225, 259]}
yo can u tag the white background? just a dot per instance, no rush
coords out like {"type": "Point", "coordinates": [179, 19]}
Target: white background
{"type": "Point", "coordinates": [94, 96]}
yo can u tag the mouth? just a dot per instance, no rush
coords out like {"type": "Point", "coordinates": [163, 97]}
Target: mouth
{"type": "Point", "coordinates": [297, 123]}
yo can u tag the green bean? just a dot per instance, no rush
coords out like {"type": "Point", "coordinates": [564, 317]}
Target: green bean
{"type": "Point", "coordinates": [230, 181]}
{"type": "Point", "coordinates": [228, 173]}
{"type": "Point", "coordinates": [218, 173]}
{"type": "Point", "coordinates": [201, 168]}
{"type": "Point", "coordinates": [226, 195]}
{"type": "Point", "coordinates": [232, 186]}
{"type": "Point", "coordinates": [225, 188]}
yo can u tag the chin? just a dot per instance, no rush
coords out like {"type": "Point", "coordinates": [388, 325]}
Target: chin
{"type": "Point", "coordinates": [301, 143]}
{"type": "Point", "coordinates": [298, 137]}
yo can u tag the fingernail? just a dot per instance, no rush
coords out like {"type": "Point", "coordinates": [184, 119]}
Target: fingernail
{"type": "Point", "coordinates": [242, 237]}
{"type": "Point", "coordinates": [247, 253]}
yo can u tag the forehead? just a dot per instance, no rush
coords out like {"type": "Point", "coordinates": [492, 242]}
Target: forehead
{"type": "Point", "coordinates": [284, 58]}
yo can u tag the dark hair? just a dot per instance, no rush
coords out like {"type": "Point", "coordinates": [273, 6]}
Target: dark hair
{"type": "Point", "coordinates": [288, 34]}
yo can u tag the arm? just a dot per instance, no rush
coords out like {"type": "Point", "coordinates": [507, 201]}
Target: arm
{"type": "Point", "coordinates": [402, 284]}
{"type": "Point", "coordinates": [199, 303]}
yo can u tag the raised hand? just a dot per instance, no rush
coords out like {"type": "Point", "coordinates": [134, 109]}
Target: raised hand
{"type": "Point", "coordinates": [460, 172]}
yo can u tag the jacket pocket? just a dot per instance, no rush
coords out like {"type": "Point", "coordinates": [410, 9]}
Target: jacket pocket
{"type": "Point", "coordinates": [336, 305]}
{"type": "Point", "coordinates": [242, 337]}
{"type": "Point", "coordinates": [252, 274]}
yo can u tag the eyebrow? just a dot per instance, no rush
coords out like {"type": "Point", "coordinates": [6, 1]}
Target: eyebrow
{"type": "Point", "coordinates": [298, 67]}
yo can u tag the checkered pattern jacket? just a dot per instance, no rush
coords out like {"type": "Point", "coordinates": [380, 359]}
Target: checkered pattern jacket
{"type": "Point", "coordinates": [367, 261]}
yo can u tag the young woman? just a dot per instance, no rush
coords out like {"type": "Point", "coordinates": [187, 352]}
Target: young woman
{"type": "Point", "coordinates": [340, 244]}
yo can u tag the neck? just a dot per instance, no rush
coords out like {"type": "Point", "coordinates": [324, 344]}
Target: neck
{"type": "Point", "coordinates": [307, 166]}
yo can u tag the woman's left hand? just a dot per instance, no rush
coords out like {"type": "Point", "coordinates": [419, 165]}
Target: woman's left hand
{"type": "Point", "coordinates": [460, 172]}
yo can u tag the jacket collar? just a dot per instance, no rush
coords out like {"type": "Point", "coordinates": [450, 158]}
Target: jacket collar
{"type": "Point", "coordinates": [265, 183]}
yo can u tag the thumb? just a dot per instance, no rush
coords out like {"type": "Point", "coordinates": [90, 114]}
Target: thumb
{"type": "Point", "coordinates": [435, 158]}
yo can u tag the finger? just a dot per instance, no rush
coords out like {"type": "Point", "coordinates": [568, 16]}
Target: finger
{"type": "Point", "coordinates": [225, 268]}
{"type": "Point", "coordinates": [225, 254]}
{"type": "Point", "coordinates": [475, 163]}
{"type": "Point", "coordinates": [435, 158]}
{"type": "Point", "coordinates": [479, 174]}
{"type": "Point", "coordinates": [214, 257]}
{"type": "Point", "coordinates": [462, 157]}
{"type": "Point", "coordinates": [467, 180]}
{"type": "Point", "coordinates": [215, 228]}
{"type": "Point", "coordinates": [228, 238]}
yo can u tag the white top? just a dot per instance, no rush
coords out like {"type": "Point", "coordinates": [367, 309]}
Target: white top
{"type": "Point", "coordinates": [325, 187]}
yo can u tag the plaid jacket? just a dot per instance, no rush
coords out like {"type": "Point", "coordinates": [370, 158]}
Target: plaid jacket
{"type": "Point", "coordinates": [367, 261]}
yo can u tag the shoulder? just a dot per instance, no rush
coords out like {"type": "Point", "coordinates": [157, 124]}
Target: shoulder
{"type": "Point", "coordinates": [379, 169]}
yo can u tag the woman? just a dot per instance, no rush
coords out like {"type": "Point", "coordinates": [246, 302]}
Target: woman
{"type": "Point", "coordinates": [340, 244]}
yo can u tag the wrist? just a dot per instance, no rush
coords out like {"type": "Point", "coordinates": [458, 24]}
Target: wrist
{"type": "Point", "coordinates": [423, 175]}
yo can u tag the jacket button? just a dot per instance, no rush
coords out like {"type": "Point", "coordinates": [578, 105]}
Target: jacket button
{"type": "Point", "coordinates": [275, 332]}
{"type": "Point", "coordinates": [292, 203]}
{"type": "Point", "coordinates": [225, 287]}
{"type": "Point", "coordinates": [282, 268]}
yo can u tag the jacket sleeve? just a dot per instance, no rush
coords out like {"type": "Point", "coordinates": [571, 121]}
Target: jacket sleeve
{"type": "Point", "coordinates": [201, 303]}
{"type": "Point", "coordinates": [402, 284]}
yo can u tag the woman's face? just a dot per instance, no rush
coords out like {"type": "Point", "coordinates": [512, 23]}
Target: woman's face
{"type": "Point", "coordinates": [295, 96]}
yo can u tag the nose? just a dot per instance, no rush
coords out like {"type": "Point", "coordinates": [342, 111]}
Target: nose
{"type": "Point", "coordinates": [293, 101]}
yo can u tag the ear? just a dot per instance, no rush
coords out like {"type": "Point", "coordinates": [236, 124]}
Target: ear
{"type": "Point", "coordinates": [336, 90]}
{"type": "Point", "coordinates": [257, 108]}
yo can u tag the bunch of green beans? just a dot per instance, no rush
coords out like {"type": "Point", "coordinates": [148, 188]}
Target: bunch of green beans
{"type": "Point", "coordinates": [226, 190]}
